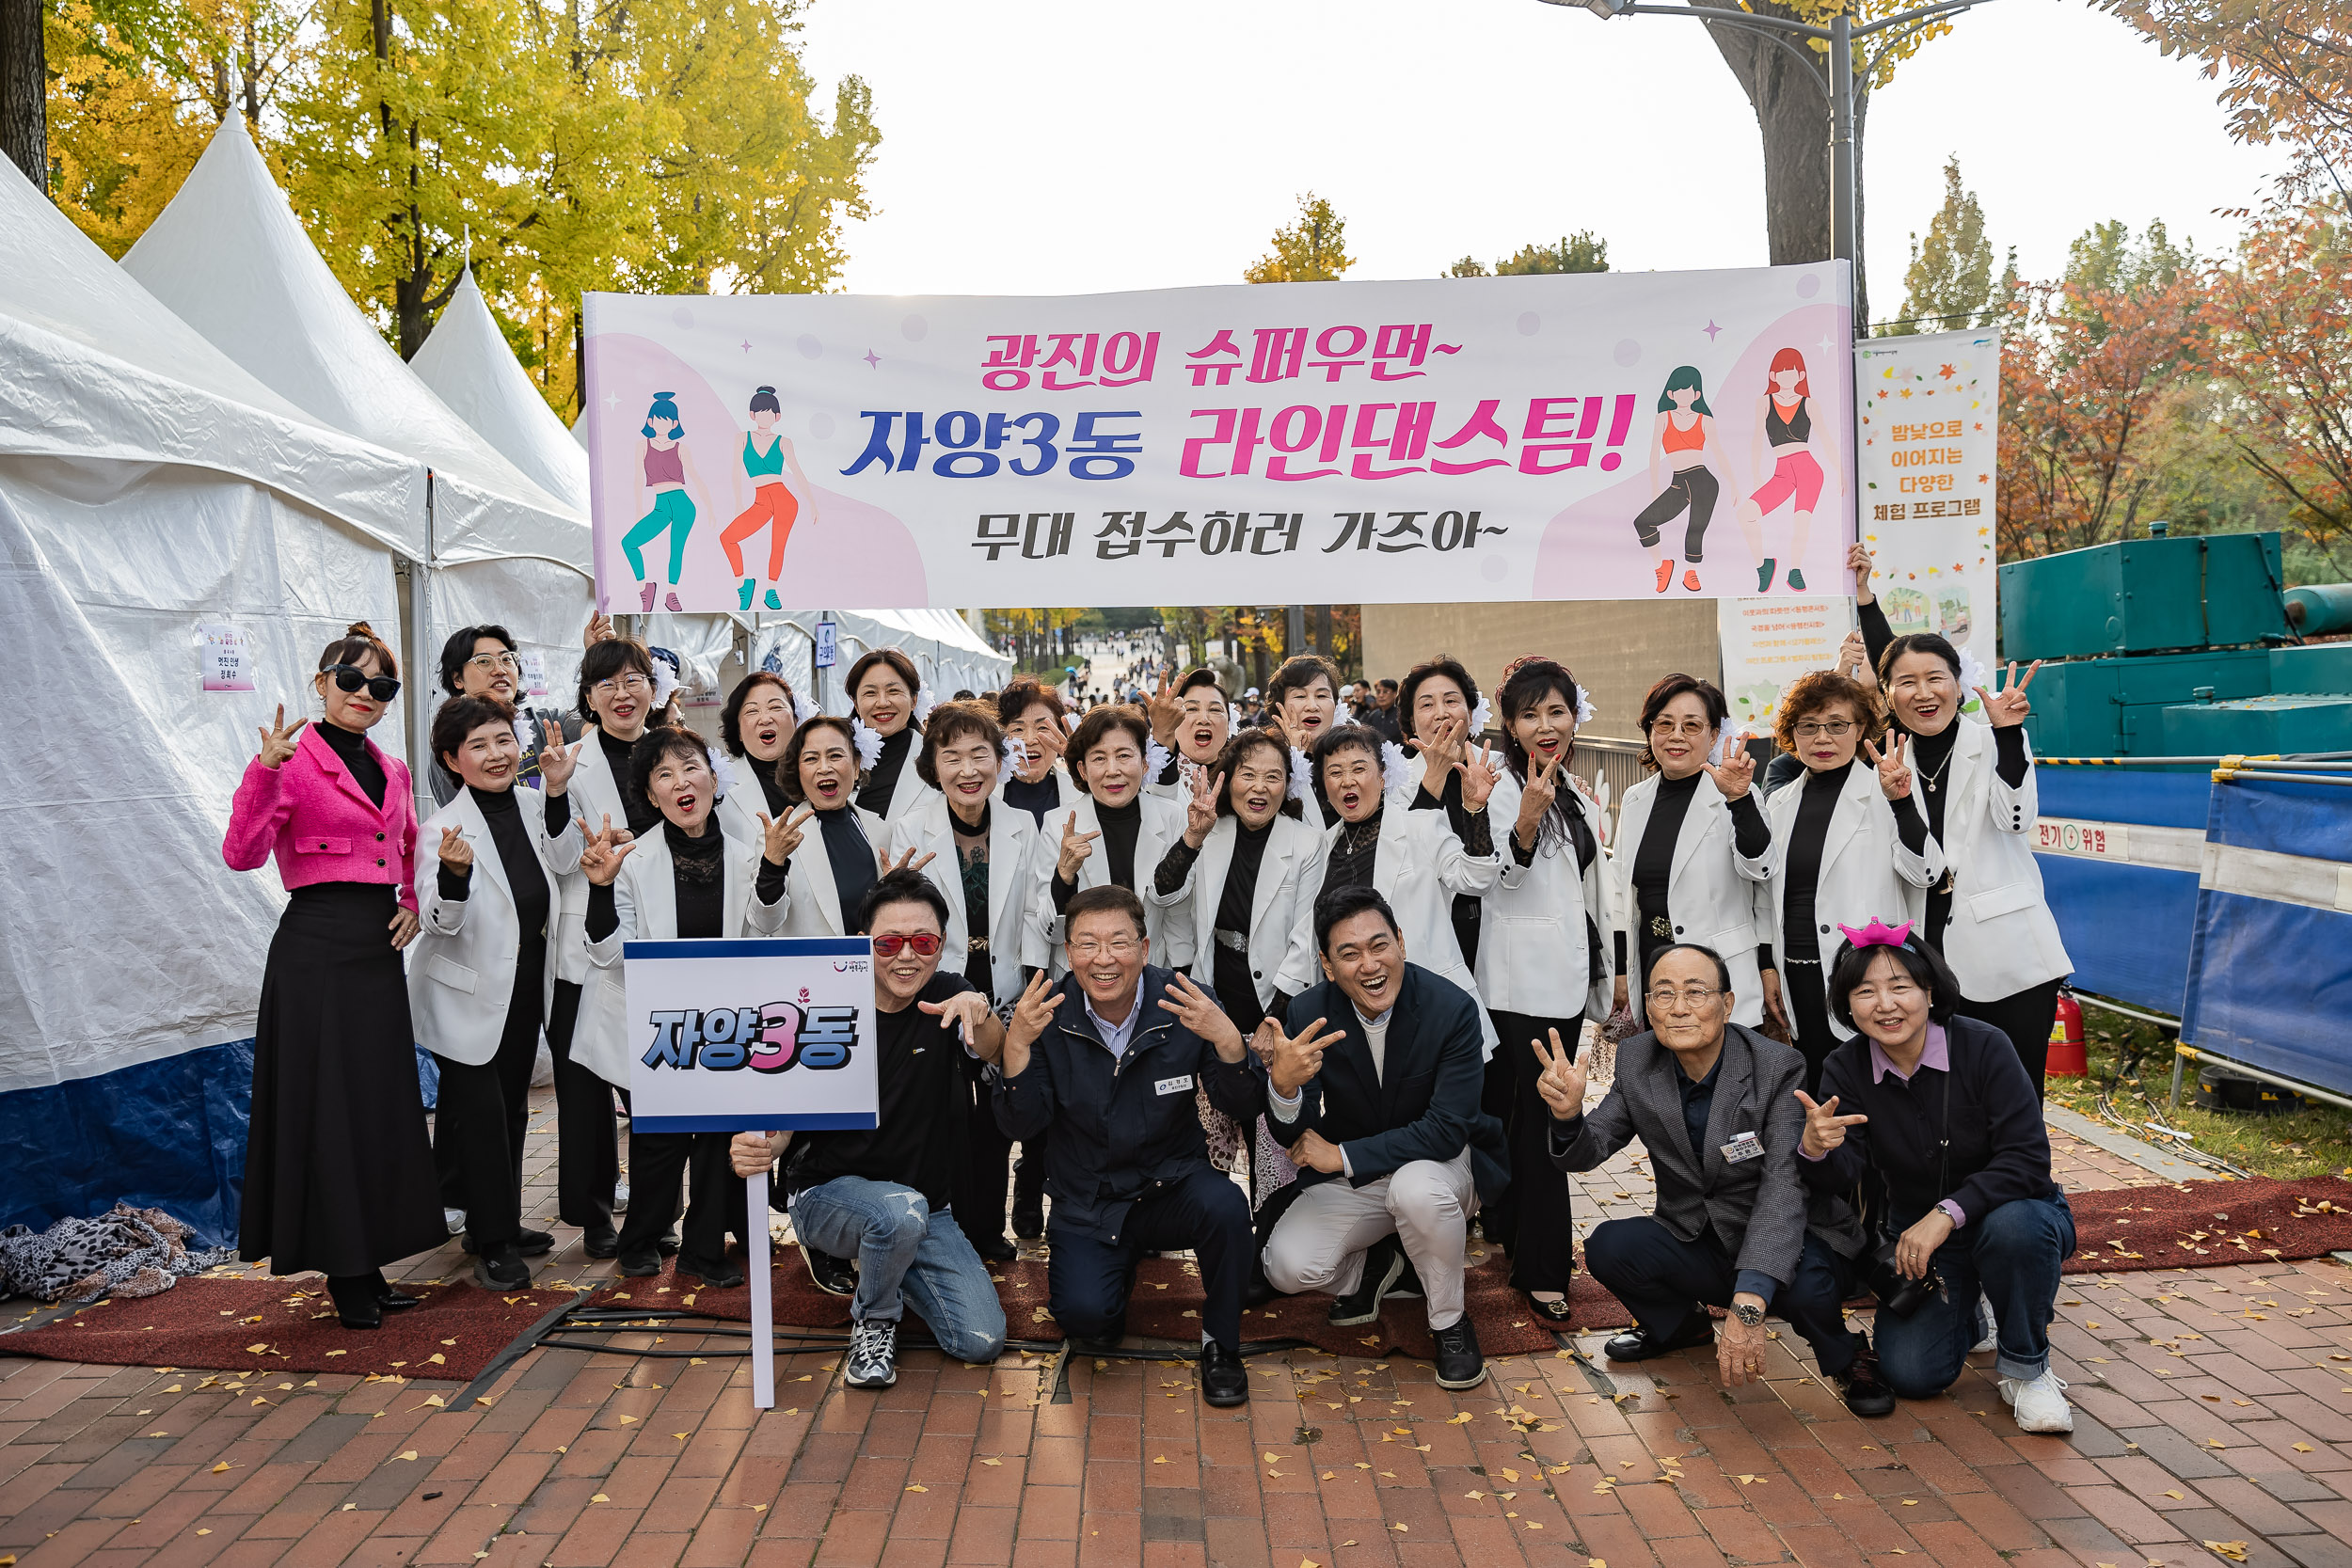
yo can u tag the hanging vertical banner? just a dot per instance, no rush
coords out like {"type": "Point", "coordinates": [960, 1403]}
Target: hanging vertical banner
{"type": "Point", "coordinates": [1930, 435]}
{"type": "Point", "coordinates": [1562, 436]}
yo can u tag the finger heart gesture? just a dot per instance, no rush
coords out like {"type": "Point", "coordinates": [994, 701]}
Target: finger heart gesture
{"type": "Point", "coordinates": [456, 854]}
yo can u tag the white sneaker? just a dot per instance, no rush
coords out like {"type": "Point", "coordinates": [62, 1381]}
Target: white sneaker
{"type": "Point", "coordinates": [2039, 1406]}
{"type": "Point", "coordinates": [873, 1358]}
{"type": "Point", "coordinates": [620, 1197]}
{"type": "Point", "coordinates": [454, 1219]}
{"type": "Point", "coordinates": [1989, 1329]}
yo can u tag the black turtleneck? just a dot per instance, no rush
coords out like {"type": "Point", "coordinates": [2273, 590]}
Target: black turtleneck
{"type": "Point", "coordinates": [351, 747]}
{"type": "Point", "coordinates": [699, 869]}
{"type": "Point", "coordinates": [1805, 837]}
{"type": "Point", "coordinates": [526, 881]}
{"type": "Point", "coordinates": [779, 804]}
{"type": "Point", "coordinates": [641, 814]}
{"type": "Point", "coordinates": [883, 780]}
{"type": "Point", "coordinates": [851, 857]}
{"type": "Point", "coordinates": [1036, 799]}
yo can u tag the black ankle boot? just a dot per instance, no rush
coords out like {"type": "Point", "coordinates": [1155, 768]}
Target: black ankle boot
{"type": "Point", "coordinates": [355, 1300]}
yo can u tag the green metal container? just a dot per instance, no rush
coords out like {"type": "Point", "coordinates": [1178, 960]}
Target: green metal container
{"type": "Point", "coordinates": [2260, 726]}
{"type": "Point", "coordinates": [2111, 707]}
{"type": "Point", "coordinates": [2319, 667]}
{"type": "Point", "coordinates": [2143, 595]}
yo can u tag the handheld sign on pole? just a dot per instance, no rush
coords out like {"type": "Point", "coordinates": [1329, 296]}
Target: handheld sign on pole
{"type": "Point", "coordinates": [752, 1037]}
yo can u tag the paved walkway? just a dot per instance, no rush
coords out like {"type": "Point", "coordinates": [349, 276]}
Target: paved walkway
{"type": "Point", "coordinates": [2214, 1423]}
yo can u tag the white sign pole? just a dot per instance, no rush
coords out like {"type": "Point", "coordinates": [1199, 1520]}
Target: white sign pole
{"type": "Point", "coordinates": [763, 1319]}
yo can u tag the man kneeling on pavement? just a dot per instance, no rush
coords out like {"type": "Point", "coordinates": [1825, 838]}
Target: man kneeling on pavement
{"type": "Point", "coordinates": [882, 1195]}
{"type": "Point", "coordinates": [1109, 1060]}
{"type": "Point", "coordinates": [1388, 1102]}
{"type": "Point", "coordinates": [1716, 1103]}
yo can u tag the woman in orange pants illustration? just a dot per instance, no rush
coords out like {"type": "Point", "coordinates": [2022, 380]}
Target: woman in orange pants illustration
{"type": "Point", "coordinates": [766, 455]}
{"type": "Point", "coordinates": [1783, 416]}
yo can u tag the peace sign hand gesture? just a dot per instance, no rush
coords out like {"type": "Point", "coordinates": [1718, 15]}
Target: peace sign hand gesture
{"type": "Point", "coordinates": [600, 859]}
{"type": "Point", "coordinates": [1031, 1016]}
{"type": "Point", "coordinates": [1543, 787]}
{"type": "Point", "coordinates": [1479, 776]}
{"type": "Point", "coordinates": [906, 862]}
{"type": "Point", "coordinates": [557, 763]}
{"type": "Point", "coordinates": [456, 854]}
{"type": "Point", "coordinates": [1736, 772]}
{"type": "Point", "coordinates": [1075, 848]}
{"type": "Point", "coordinates": [2005, 708]}
{"type": "Point", "coordinates": [1562, 1082]}
{"type": "Point", "coordinates": [1166, 712]}
{"type": "Point", "coordinates": [1293, 1059]}
{"type": "Point", "coordinates": [279, 738]}
{"type": "Point", "coordinates": [782, 836]}
{"type": "Point", "coordinates": [1824, 1129]}
{"type": "Point", "coordinates": [1442, 749]}
{"type": "Point", "coordinates": [1200, 810]}
{"type": "Point", "coordinates": [1893, 773]}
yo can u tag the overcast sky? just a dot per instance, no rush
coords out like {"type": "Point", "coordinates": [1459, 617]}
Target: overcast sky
{"type": "Point", "coordinates": [1071, 146]}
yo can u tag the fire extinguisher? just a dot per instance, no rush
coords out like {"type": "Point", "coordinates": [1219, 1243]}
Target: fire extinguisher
{"type": "Point", "coordinates": [2069, 1057]}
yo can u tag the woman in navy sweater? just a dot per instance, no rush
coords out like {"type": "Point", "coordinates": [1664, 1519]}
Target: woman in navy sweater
{"type": "Point", "coordinates": [1939, 1106]}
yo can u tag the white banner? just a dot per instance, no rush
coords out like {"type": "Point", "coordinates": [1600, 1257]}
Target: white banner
{"type": "Point", "coordinates": [750, 1034]}
{"type": "Point", "coordinates": [1498, 438]}
{"type": "Point", "coordinates": [1930, 441]}
{"type": "Point", "coordinates": [1770, 643]}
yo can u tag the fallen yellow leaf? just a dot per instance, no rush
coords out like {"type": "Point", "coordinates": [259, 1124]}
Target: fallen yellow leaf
{"type": "Point", "coordinates": [600, 1498]}
{"type": "Point", "coordinates": [221, 1466]}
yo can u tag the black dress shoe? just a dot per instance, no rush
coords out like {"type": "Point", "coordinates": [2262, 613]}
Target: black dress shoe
{"type": "Point", "coordinates": [502, 1269]}
{"type": "Point", "coordinates": [641, 1265]}
{"type": "Point", "coordinates": [1382, 1264]}
{"type": "Point", "coordinates": [1224, 1381]}
{"type": "Point", "coordinates": [355, 1300]}
{"type": "Point", "coordinates": [995, 1249]}
{"type": "Point", "coordinates": [1636, 1344]}
{"type": "Point", "coordinates": [1867, 1395]}
{"type": "Point", "coordinates": [600, 1241]}
{"type": "Point", "coordinates": [1028, 1220]}
{"type": "Point", "coordinates": [387, 1297]}
{"type": "Point", "coordinates": [667, 1247]}
{"type": "Point", "coordinates": [1460, 1363]}
{"type": "Point", "coordinates": [830, 1274]}
{"type": "Point", "coordinates": [533, 1243]}
{"type": "Point", "coordinates": [1555, 1312]}
{"type": "Point", "coordinates": [721, 1273]}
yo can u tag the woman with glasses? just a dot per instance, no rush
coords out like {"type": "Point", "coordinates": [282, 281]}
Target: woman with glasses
{"type": "Point", "coordinates": [1848, 844]}
{"type": "Point", "coordinates": [754, 726]}
{"type": "Point", "coordinates": [480, 661]}
{"type": "Point", "coordinates": [1691, 856]}
{"type": "Point", "coordinates": [338, 1174]}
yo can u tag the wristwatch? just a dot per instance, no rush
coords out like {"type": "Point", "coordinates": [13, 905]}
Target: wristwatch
{"type": "Point", "coordinates": [1747, 1313]}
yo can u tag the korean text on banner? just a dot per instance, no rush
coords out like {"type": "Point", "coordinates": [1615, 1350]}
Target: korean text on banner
{"type": "Point", "coordinates": [1930, 423]}
{"type": "Point", "coordinates": [1558, 437]}
{"type": "Point", "coordinates": [750, 1034]}
{"type": "Point", "coordinates": [1768, 643]}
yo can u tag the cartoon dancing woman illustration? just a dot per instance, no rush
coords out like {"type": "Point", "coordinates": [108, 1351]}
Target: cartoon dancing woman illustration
{"type": "Point", "coordinates": [1684, 437]}
{"type": "Point", "coordinates": [668, 466]}
{"type": "Point", "coordinates": [766, 455]}
{"type": "Point", "coordinates": [1784, 416]}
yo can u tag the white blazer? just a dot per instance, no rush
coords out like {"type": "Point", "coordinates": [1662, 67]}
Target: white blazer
{"type": "Point", "coordinates": [741, 807]}
{"type": "Point", "coordinates": [810, 905]}
{"type": "Point", "coordinates": [1162, 824]}
{"type": "Point", "coordinates": [461, 971]}
{"type": "Point", "coordinates": [1712, 891]}
{"type": "Point", "coordinates": [644, 896]}
{"type": "Point", "coordinates": [909, 790]}
{"type": "Point", "coordinates": [2001, 937]}
{"type": "Point", "coordinates": [929, 830]}
{"type": "Point", "coordinates": [1420, 867]}
{"type": "Point", "coordinates": [1281, 932]}
{"type": "Point", "coordinates": [1866, 874]}
{"type": "Point", "coordinates": [1065, 788]}
{"type": "Point", "coordinates": [594, 795]}
{"type": "Point", "coordinates": [1534, 955]}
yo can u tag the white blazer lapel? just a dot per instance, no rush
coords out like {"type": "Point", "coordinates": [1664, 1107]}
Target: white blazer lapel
{"type": "Point", "coordinates": [485, 850]}
{"type": "Point", "coordinates": [1272, 869]}
{"type": "Point", "coordinates": [936, 836]}
{"type": "Point", "coordinates": [1388, 863]}
{"type": "Point", "coordinates": [816, 884]}
{"type": "Point", "coordinates": [1009, 850]}
{"type": "Point", "coordinates": [1706, 803]}
{"type": "Point", "coordinates": [1847, 819]}
{"type": "Point", "coordinates": [655, 883]}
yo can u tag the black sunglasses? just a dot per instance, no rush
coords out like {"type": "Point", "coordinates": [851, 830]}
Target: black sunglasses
{"type": "Point", "coordinates": [348, 678]}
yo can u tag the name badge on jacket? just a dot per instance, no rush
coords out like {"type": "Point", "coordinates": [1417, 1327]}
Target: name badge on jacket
{"type": "Point", "coordinates": [1745, 1146]}
{"type": "Point", "coordinates": [1174, 1085]}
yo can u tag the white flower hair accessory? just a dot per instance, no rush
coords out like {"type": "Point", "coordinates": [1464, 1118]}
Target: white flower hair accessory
{"type": "Point", "coordinates": [924, 700]}
{"type": "Point", "coordinates": [523, 726]}
{"type": "Point", "coordinates": [722, 770]}
{"type": "Point", "coordinates": [1013, 748]}
{"type": "Point", "coordinates": [802, 710]}
{"type": "Point", "coordinates": [1302, 776]}
{"type": "Point", "coordinates": [1395, 772]}
{"type": "Point", "coordinates": [1972, 675]}
{"type": "Point", "coordinates": [1155, 759]}
{"type": "Point", "coordinates": [1233, 716]}
{"type": "Point", "coordinates": [1070, 721]}
{"type": "Point", "coordinates": [868, 743]}
{"type": "Point", "coordinates": [1480, 716]}
{"type": "Point", "coordinates": [1584, 710]}
{"type": "Point", "coordinates": [664, 677]}
{"type": "Point", "coordinates": [1347, 715]}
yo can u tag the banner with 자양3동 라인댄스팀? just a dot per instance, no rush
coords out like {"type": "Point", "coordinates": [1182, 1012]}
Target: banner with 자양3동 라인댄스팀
{"type": "Point", "coordinates": [1581, 436]}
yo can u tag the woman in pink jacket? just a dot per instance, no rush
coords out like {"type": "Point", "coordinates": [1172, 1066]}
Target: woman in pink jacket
{"type": "Point", "coordinates": [338, 1172]}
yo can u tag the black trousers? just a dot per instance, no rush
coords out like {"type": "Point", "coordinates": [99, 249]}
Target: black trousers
{"type": "Point", "coordinates": [1088, 1280]}
{"type": "Point", "coordinates": [979, 1199]}
{"type": "Point", "coordinates": [1801, 993]}
{"type": "Point", "coordinates": [658, 1162]}
{"type": "Point", "coordinates": [2026, 1018]}
{"type": "Point", "coordinates": [1664, 1280]}
{"type": "Point", "coordinates": [492, 1102]}
{"type": "Point", "coordinates": [1535, 1225]}
{"type": "Point", "coordinates": [587, 1150]}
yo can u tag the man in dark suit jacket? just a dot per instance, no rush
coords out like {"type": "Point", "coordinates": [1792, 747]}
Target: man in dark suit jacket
{"type": "Point", "coordinates": [1377, 1081]}
{"type": "Point", "coordinates": [1716, 1106]}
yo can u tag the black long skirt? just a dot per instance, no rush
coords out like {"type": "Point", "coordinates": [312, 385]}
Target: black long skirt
{"type": "Point", "coordinates": [1533, 1224]}
{"type": "Point", "coordinates": [338, 1170]}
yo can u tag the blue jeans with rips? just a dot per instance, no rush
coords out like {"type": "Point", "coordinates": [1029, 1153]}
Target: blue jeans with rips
{"type": "Point", "coordinates": [907, 1253]}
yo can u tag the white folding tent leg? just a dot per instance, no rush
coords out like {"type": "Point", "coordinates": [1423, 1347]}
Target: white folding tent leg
{"type": "Point", "coordinates": [763, 1319]}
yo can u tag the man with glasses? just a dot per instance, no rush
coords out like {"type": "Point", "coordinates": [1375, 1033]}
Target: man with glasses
{"type": "Point", "coordinates": [1715, 1104]}
{"type": "Point", "coordinates": [882, 1195]}
{"type": "Point", "coordinates": [1107, 1064]}
{"type": "Point", "coordinates": [480, 661]}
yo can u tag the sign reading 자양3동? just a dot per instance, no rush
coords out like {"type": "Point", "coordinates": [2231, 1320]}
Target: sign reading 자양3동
{"type": "Point", "coordinates": [752, 1035]}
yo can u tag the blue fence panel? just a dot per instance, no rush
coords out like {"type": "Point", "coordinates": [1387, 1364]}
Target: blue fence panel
{"type": "Point", "coordinates": [2128, 926]}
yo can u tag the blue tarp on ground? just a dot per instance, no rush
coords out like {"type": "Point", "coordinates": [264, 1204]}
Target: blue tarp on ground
{"type": "Point", "coordinates": [2127, 928]}
{"type": "Point", "coordinates": [2271, 971]}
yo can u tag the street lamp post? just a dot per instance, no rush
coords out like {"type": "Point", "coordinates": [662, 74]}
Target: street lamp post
{"type": "Point", "coordinates": [1840, 36]}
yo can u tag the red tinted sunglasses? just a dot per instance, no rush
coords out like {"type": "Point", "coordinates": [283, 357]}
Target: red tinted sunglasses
{"type": "Point", "coordinates": [926, 945]}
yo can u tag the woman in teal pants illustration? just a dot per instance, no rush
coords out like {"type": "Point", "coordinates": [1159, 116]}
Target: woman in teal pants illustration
{"type": "Point", "coordinates": [667, 469]}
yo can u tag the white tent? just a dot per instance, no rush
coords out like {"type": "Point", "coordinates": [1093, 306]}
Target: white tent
{"type": "Point", "coordinates": [149, 487]}
{"type": "Point", "coordinates": [950, 655]}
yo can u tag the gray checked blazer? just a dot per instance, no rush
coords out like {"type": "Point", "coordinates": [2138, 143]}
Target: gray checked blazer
{"type": "Point", "coordinates": [1759, 1206]}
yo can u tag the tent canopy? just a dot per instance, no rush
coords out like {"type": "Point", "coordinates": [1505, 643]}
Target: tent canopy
{"type": "Point", "coordinates": [469, 366]}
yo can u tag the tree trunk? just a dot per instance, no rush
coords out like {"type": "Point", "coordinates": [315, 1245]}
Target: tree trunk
{"type": "Point", "coordinates": [24, 91]}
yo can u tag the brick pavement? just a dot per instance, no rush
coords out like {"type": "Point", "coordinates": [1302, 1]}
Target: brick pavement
{"type": "Point", "coordinates": [2212, 1406]}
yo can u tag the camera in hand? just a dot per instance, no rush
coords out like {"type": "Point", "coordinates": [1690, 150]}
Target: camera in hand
{"type": "Point", "coordinates": [1896, 1293]}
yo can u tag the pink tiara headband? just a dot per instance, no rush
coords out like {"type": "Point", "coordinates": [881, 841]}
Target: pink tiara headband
{"type": "Point", "coordinates": [1878, 934]}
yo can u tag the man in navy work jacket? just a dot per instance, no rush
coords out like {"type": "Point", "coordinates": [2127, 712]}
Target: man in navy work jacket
{"type": "Point", "coordinates": [1388, 1102]}
{"type": "Point", "coordinates": [1106, 1064]}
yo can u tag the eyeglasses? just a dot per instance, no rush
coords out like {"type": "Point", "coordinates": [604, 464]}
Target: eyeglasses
{"type": "Point", "coordinates": [491, 663]}
{"type": "Point", "coordinates": [1690, 727]}
{"type": "Point", "coordinates": [1693, 997]}
{"type": "Point", "coordinates": [1123, 947]}
{"type": "Point", "coordinates": [631, 682]}
{"type": "Point", "coordinates": [350, 678]}
{"type": "Point", "coordinates": [1837, 729]}
{"type": "Point", "coordinates": [925, 944]}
